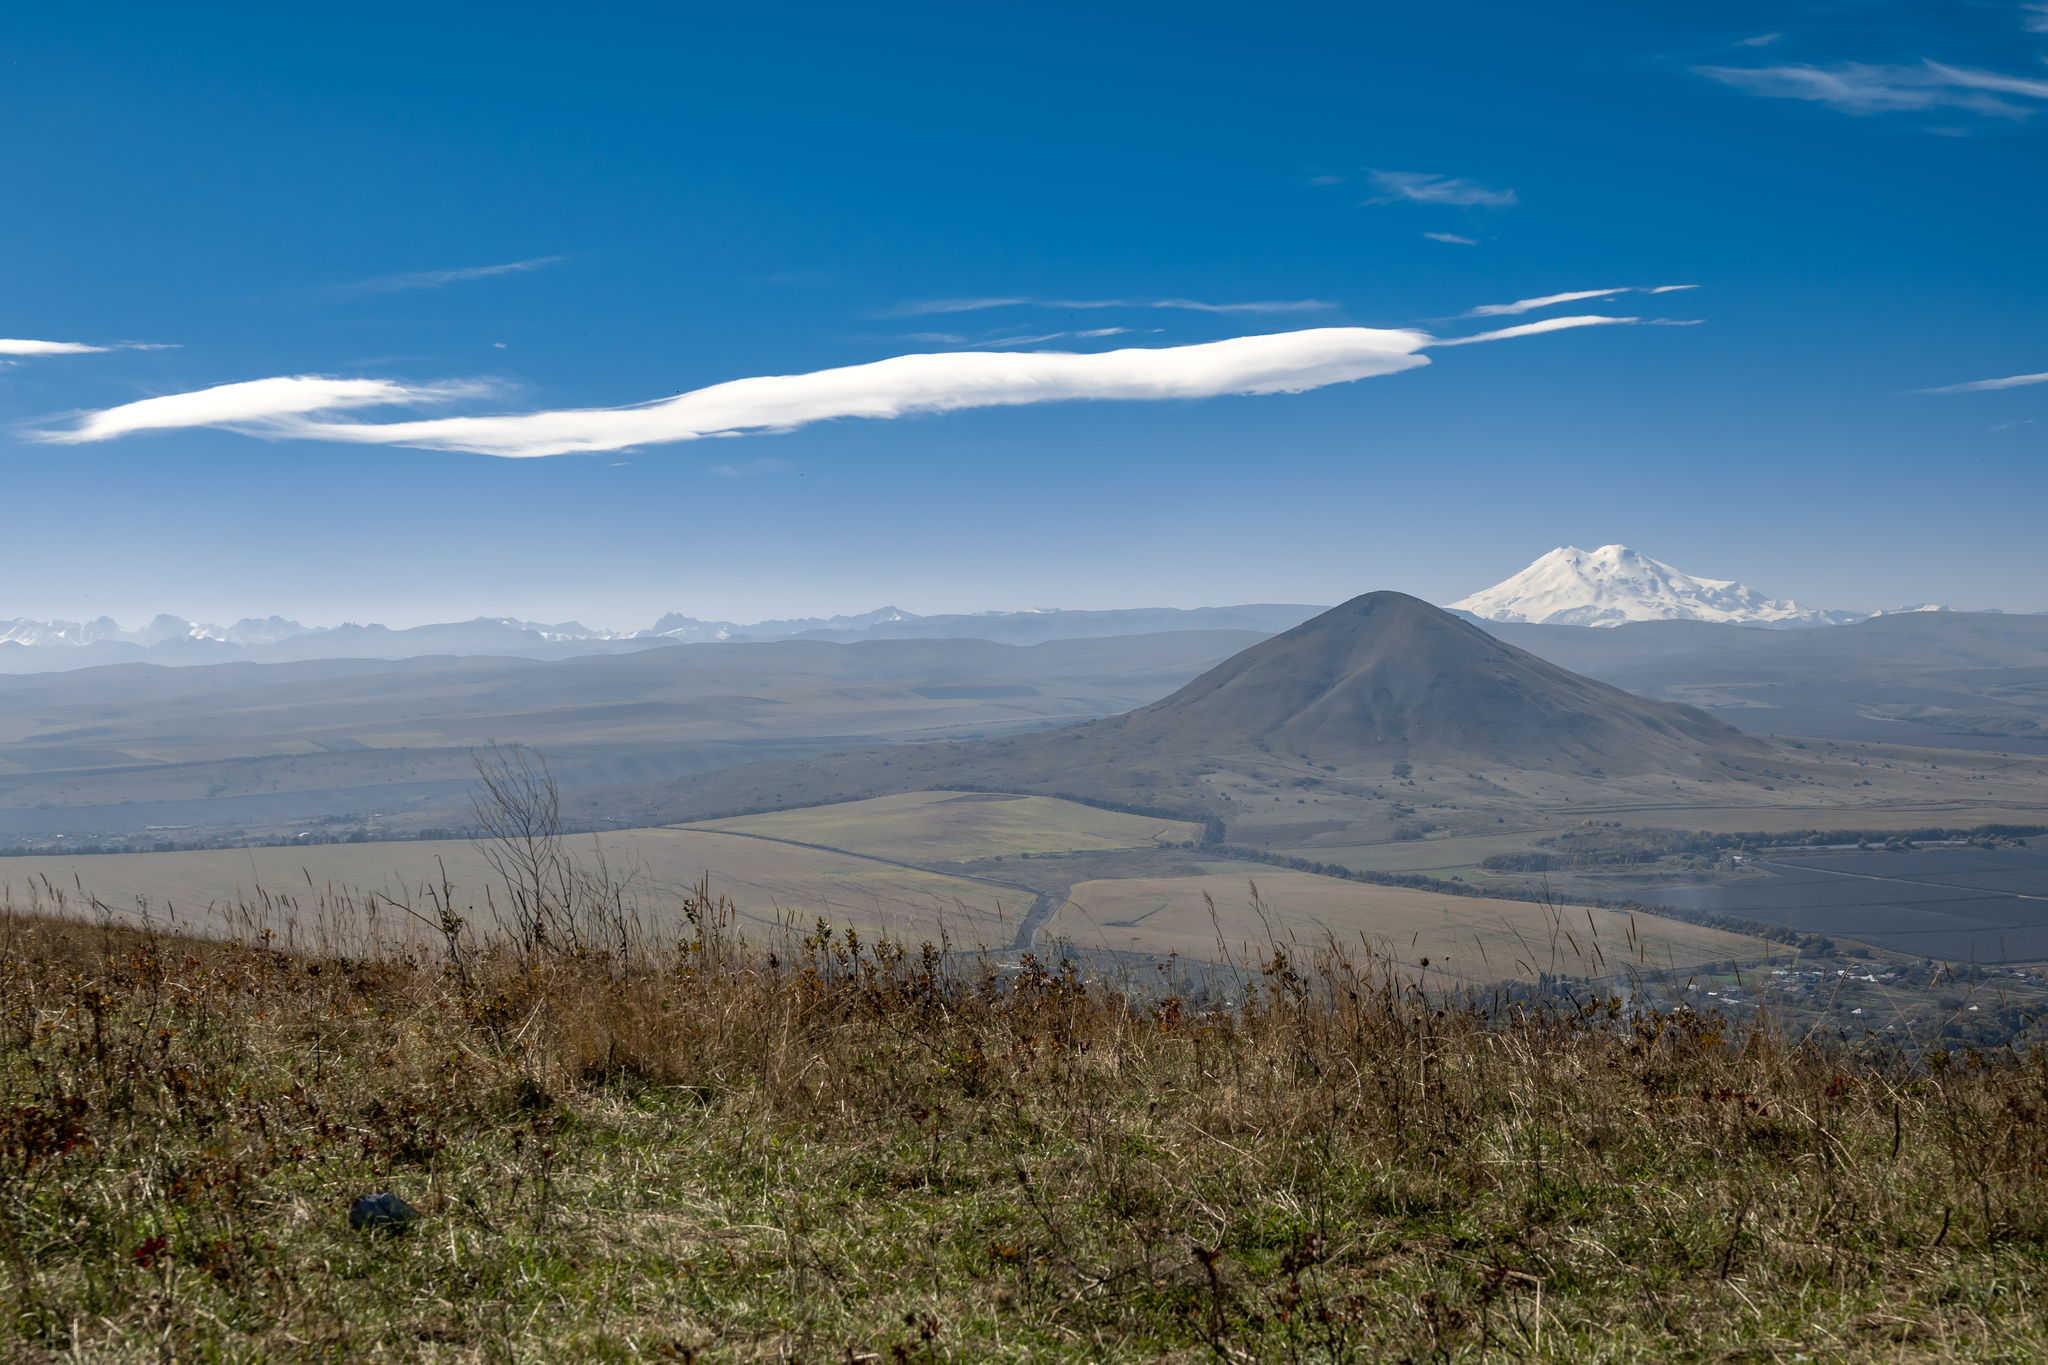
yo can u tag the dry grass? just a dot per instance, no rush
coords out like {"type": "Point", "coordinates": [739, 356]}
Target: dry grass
{"type": "Point", "coordinates": [204, 887]}
{"type": "Point", "coordinates": [938, 827]}
{"type": "Point", "coordinates": [1471, 939]}
{"type": "Point", "coordinates": [843, 1150]}
{"type": "Point", "coordinates": [823, 1148]}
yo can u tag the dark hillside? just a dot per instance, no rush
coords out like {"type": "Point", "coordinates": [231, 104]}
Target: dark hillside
{"type": "Point", "coordinates": [1387, 676]}
{"type": "Point", "coordinates": [1383, 679]}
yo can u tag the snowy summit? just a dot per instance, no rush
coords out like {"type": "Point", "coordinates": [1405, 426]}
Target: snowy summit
{"type": "Point", "coordinates": [1614, 584]}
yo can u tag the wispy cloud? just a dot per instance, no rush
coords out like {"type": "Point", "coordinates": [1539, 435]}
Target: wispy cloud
{"type": "Point", "coordinates": [436, 279]}
{"type": "Point", "coordinates": [1423, 188]}
{"type": "Point", "coordinates": [306, 407]}
{"type": "Point", "coordinates": [1450, 237]}
{"type": "Point", "coordinates": [1091, 334]}
{"type": "Point", "coordinates": [28, 348]}
{"type": "Point", "coordinates": [2017, 381]}
{"type": "Point", "coordinates": [1502, 310]}
{"type": "Point", "coordinates": [21, 347]}
{"type": "Point", "coordinates": [1001, 342]}
{"type": "Point", "coordinates": [259, 403]}
{"type": "Point", "coordinates": [2037, 17]}
{"type": "Point", "coordinates": [1855, 88]}
{"type": "Point", "coordinates": [1761, 40]}
{"type": "Point", "coordinates": [1519, 306]}
{"type": "Point", "coordinates": [926, 307]}
{"type": "Point", "coordinates": [748, 469]}
{"type": "Point", "coordinates": [1531, 329]}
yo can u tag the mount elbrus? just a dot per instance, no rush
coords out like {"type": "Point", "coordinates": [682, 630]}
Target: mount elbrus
{"type": "Point", "coordinates": [1383, 710]}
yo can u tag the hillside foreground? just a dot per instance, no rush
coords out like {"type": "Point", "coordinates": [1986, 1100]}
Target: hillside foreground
{"type": "Point", "coordinates": [834, 1149]}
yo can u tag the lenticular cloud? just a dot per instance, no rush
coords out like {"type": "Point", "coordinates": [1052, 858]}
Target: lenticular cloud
{"type": "Point", "coordinates": [19, 346]}
{"type": "Point", "coordinates": [259, 403]}
{"type": "Point", "coordinates": [307, 407]}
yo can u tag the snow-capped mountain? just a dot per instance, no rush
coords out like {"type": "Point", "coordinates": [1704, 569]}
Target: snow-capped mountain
{"type": "Point", "coordinates": [1614, 584]}
{"type": "Point", "coordinates": [248, 631]}
{"type": "Point", "coordinates": [1928, 606]}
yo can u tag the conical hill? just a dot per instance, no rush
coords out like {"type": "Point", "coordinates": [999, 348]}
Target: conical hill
{"type": "Point", "coordinates": [1334, 703]}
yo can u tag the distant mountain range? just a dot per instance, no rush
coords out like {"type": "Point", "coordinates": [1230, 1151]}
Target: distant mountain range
{"type": "Point", "coordinates": [1609, 586]}
{"type": "Point", "coordinates": [51, 646]}
{"type": "Point", "coordinates": [1614, 584]}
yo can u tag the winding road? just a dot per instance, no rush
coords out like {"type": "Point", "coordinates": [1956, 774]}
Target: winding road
{"type": "Point", "coordinates": [1034, 918]}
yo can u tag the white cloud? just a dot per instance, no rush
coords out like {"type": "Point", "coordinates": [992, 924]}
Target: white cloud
{"type": "Point", "coordinates": [435, 279]}
{"type": "Point", "coordinates": [268, 405]}
{"type": "Point", "coordinates": [2017, 381]}
{"type": "Point", "coordinates": [1519, 306]}
{"type": "Point", "coordinates": [1761, 40]}
{"type": "Point", "coordinates": [27, 348]}
{"type": "Point", "coordinates": [1421, 188]}
{"type": "Point", "coordinates": [1501, 310]}
{"type": "Point", "coordinates": [1530, 329]}
{"type": "Point", "coordinates": [1284, 362]}
{"type": "Point", "coordinates": [930, 306]}
{"type": "Point", "coordinates": [1855, 88]}
{"type": "Point", "coordinates": [17, 347]}
{"type": "Point", "coordinates": [1990, 80]}
{"type": "Point", "coordinates": [1450, 237]}
{"type": "Point", "coordinates": [2037, 17]}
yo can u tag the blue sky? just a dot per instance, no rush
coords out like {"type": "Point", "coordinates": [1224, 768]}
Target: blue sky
{"type": "Point", "coordinates": [489, 212]}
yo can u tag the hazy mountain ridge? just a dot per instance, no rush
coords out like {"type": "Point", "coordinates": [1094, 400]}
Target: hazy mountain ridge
{"type": "Point", "coordinates": [118, 749]}
{"type": "Point", "coordinates": [54, 646]}
{"type": "Point", "coordinates": [1974, 680]}
{"type": "Point", "coordinates": [75, 634]}
{"type": "Point", "coordinates": [1359, 692]}
{"type": "Point", "coordinates": [1608, 587]}
{"type": "Point", "coordinates": [235, 745]}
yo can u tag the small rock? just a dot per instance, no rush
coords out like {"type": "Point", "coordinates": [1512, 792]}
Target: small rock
{"type": "Point", "coordinates": [379, 1212]}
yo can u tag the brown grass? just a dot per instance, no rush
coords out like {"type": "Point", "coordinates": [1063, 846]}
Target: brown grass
{"type": "Point", "coordinates": [842, 1148]}
{"type": "Point", "coordinates": [824, 1148]}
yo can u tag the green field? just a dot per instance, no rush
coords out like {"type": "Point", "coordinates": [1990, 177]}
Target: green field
{"type": "Point", "coordinates": [1424, 855]}
{"type": "Point", "coordinates": [945, 827]}
{"type": "Point", "coordinates": [1466, 937]}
